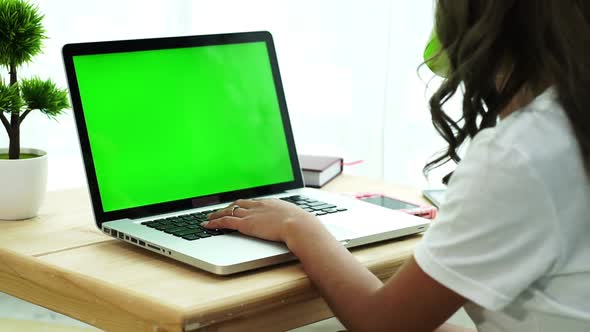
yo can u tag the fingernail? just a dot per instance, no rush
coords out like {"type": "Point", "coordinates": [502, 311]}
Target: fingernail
{"type": "Point", "coordinates": [204, 223]}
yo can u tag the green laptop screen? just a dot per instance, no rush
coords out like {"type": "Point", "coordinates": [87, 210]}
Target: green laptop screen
{"type": "Point", "coordinates": [173, 124]}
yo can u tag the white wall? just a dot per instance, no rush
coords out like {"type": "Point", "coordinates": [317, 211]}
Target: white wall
{"type": "Point", "coordinates": [409, 137]}
{"type": "Point", "coordinates": [348, 68]}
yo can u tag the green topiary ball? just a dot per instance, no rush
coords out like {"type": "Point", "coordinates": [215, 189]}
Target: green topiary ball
{"type": "Point", "coordinates": [21, 32]}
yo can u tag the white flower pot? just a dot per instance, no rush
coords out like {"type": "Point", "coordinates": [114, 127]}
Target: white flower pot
{"type": "Point", "coordinates": [23, 183]}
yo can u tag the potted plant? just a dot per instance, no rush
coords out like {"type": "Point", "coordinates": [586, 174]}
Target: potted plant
{"type": "Point", "coordinates": [23, 171]}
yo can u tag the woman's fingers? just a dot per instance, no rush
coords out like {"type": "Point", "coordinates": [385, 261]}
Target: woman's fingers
{"type": "Point", "coordinates": [242, 225]}
{"type": "Point", "coordinates": [235, 209]}
{"type": "Point", "coordinates": [227, 222]}
{"type": "Point", "coordinates": [265, 219]}
{"type": "Point", "coordinates": [247, 203]}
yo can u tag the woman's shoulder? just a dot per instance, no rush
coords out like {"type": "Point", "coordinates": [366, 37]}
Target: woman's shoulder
{"type": "Point", "coordinates": [538, 143]}
{"type": "Point", "coordinates": [539, 135]}
{"type": "Point", "coordinates": [540, 131]}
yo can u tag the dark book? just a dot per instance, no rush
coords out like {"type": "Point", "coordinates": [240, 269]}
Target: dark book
{"type": "Point", "coordinates": [319, 170]}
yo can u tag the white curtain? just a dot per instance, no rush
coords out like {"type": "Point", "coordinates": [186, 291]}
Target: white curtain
{"type": "Point", "coordinates": [348, 69]}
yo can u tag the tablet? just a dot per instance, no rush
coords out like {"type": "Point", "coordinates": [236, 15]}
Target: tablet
{"type": "Point", "coordinates": [435, 196]}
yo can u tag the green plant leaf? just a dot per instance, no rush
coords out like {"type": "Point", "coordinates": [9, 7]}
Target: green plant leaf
{"type": "Point", "coordinates": [21, 32]}
{"type": "Point", "coordinates": [44, 96]}
{"type": "Point", "coordinates": [10, 98]}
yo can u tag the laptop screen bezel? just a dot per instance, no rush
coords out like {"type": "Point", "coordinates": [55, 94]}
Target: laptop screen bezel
{"type": "Point", "coordinates": [106, 47]}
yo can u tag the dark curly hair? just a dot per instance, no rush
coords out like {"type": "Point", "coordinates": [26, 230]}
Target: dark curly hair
{"type": "Point", "coordinates": [534, 43]}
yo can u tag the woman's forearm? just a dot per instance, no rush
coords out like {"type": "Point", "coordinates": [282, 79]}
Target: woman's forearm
{"type": "Point", "coordinates": [410, 301]}
{"type": "Point", "coordinates": [343, 282]}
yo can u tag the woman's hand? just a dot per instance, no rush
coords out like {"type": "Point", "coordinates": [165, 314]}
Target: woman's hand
{"type": "Point", "coordinates": [266, 219]}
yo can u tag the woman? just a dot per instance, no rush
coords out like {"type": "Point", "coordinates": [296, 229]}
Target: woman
{"type": "Point", "coordinates": [511, 241]}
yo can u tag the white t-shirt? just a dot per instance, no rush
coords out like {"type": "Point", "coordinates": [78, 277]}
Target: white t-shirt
{"type": "Point", "coordinates": [513, 235]}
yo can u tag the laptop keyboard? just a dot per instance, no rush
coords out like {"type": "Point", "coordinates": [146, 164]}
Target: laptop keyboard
{"type": "Point", "coordinates": [188, 226]}
{"type": "Point", "coordinates": [316, 207]}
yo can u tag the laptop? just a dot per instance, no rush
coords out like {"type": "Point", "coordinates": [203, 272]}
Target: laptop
{"type": "Point", "coordinates": [172, 129]}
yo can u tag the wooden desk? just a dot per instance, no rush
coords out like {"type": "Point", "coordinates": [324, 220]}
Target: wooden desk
{"type": "Point", "coordinates": [59, 260]}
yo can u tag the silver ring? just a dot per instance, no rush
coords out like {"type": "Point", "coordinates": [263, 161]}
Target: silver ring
{"type": "Point", "coordinates": [233, 209]}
